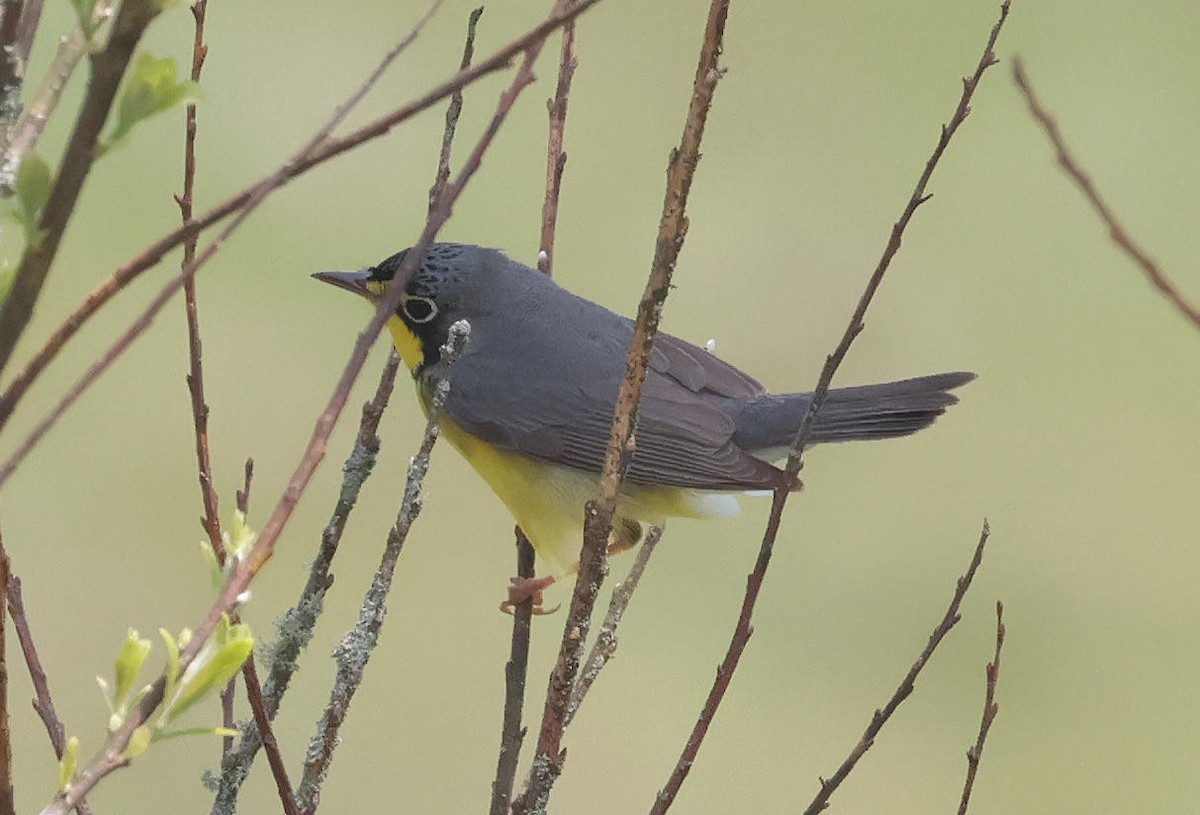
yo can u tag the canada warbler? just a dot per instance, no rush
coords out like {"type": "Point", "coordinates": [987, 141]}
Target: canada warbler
{"type": "Point", "coordinates": [532, 395]}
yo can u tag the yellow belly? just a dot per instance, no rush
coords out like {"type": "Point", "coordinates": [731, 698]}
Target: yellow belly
{"type": "Point", "coordinates": [547, 499]}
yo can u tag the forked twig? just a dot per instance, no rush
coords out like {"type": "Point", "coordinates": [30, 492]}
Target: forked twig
{"type": "Point", "coordinates": [879, 717]}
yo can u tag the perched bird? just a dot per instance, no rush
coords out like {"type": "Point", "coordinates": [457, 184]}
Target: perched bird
{"type": "Point", "coordinates": [532, 395]}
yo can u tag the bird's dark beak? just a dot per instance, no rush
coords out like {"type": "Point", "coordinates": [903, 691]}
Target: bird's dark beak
{"type": "Point", "coordinates": [350, 281]}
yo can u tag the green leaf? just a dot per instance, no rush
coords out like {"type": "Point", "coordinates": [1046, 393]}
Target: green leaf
{"type": "Point", "coordinates": [138, 742]}
{"type": "Point", "coordinates": [67, 764]}
{"type": "Point", "coordinates": [129, 666]}
{"type": "Point", "coordinates": [152, 87]}
{"type": "Point", "coordinates": [33, 191]}
{"type": "Point", "coordinates": [212, 668]}
{"type": "Point", "coordinates": [240, 539]}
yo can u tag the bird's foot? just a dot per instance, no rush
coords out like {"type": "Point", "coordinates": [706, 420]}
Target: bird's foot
{"type": "Point", "coordinates": [525, 589]}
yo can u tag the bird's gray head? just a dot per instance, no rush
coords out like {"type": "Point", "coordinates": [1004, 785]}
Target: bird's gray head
{"type": "Point", "coordinates": [453, 281]}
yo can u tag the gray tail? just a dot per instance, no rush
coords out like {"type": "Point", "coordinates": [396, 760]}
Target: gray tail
{"type": "Point", "coordinates": [768, 425]}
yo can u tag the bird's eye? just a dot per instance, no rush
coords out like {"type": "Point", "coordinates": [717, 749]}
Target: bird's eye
{"type": "Point", "coordinates": [419, 309]}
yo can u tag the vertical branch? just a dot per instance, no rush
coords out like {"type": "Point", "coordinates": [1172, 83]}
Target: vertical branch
{"type": "Point", "coordinates": [598, 514]}
{"type": "Point", "coordinates": [990, 709]}
{"type": "Point", "coordinates": [516, 670]}
{"type": "Point", "coordinates": [744, 628]}
{"type": "Point", "coordinates": [195, 378]}
{"type": "Point", "coordinates": [556, 157]}
{"type": "Point", "coordinates": [7, 803]}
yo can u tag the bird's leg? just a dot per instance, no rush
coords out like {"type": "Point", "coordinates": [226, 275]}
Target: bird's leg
{"type": "Point", "coordinates": [528, 588]}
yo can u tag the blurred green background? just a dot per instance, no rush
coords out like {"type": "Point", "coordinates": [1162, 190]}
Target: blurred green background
{"type": "Point", "coordinates": [1079, 441]}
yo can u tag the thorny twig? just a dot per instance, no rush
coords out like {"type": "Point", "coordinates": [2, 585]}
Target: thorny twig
{"type": "Point", "coordinates": [743, 628]}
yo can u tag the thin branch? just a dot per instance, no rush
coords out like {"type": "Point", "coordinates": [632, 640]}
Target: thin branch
{"type": "Point", "coordinates": [12, 76]}
{"type": "Point", "coordinates": [7, 805]}
{"type": "Point", "coordinates": [328, 149]}
{"type": "Point", "coordinates": [43, 702]}
{"type": "Point", "coordinates": [605, 646]}
{"type": "Point", "coordinates": [108, 67]}
{"type": "Point", "coordinates": [211, 522]}
{"type": "Point", "coordinates": [516, 670]}
{"type": "Point", "coordinates": [294, 629]}
{"type": "Point", "coordinates": [990, 709]}
{"type": "Point", "coordinates": [453, 111]}
{"type": "Point", "coordinates": [1116, 230]}
{"type": "Point", "coordinates": [744, 628]}
{"type": "Point", "coordinates": [880, 717]}
{"type": "Point", "coordinates": [598, 514]}
{"type": "Point", "coordinates": [556, 157]}
{"type": "Point", "coordinates": [359, 643]}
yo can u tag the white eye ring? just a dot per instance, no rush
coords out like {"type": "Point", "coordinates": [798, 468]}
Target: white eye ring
{"type": "Point", "coordinates": [420, 314]}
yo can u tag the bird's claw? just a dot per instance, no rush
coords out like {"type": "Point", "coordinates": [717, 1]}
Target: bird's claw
{"type": "Point", "coordinates": [527, 589]}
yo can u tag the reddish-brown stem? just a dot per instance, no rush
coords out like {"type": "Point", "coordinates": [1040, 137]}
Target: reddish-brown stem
{"type": "Point", "coordinates": [880, 717]}
{"type": "Point", "coordinates": [556, 157]}
{"type": "Point", "coordinates": [7, 804]}
{"type": "Point", "coordinates": [598, 514]}
{"type": "Point", "coordinates": [1116, 230]}
{"type": "Point", "coordinates": [744, 628]}
{"type": "Point", "coordinates": [990, 709]}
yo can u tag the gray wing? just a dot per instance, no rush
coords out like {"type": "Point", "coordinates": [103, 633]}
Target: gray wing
{"type": "Point", "coordinates": [558, 406]}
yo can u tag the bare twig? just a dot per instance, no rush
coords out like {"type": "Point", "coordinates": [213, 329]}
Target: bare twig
{"type": "Point", "coordinates": [43, 702]}
{"type": "Point", "coordinates": [598, 514]}
{"type": "Point", "coordinates": [512, 732]}
{"type": "Point", "coordinates": [880, 717]}
{"type": "Point", "coordinates": [990, 709]}
{"type": "Point", "coordinates": [516, 670]}
{"type": "Point", "coordinates": [211, 522]}
{"type": "Point", "coordinates": [744, 628]}
{"type": "Point", "coordinates": [7, 805]}
{"type": "Point", "coordinates": [556, 157]}
{"type": "Point", "coordinates": [108, 67]}
{"type": "Point", "coordinates": [359, 643]}
{"type": "Point", "coordinates": [605, 646]}
{"type": "Point", "coordinates": [328, 149]}
{"type": "Point", "coordinates": [452, 113]}
{"type": "Point", "coordinates": [295, 627]}
{"type": "Point", "coordinates": [1116, 230]}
